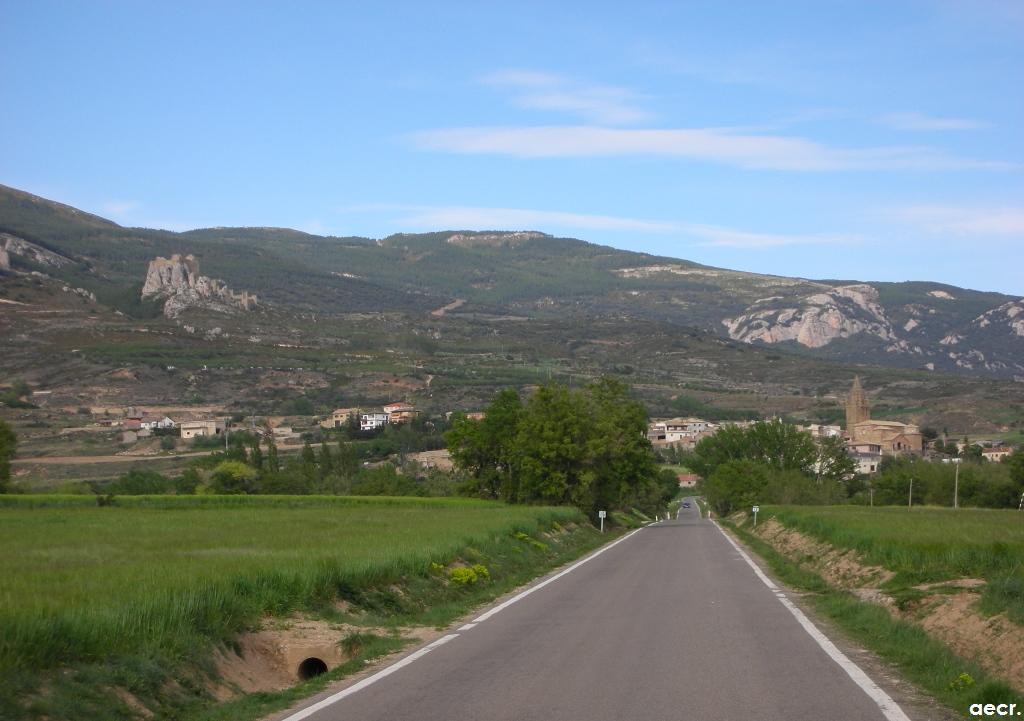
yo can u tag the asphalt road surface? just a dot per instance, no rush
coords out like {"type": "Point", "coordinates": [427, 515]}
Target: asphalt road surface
{"type": "Point", "coordinates": [670, 623]}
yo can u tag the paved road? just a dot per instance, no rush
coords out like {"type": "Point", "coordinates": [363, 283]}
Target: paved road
{"type": "Point", "coordinates": [670, 623]}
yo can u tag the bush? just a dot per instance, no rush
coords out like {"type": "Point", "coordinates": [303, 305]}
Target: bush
{"type": "Point", "coordinates": [469, 575]}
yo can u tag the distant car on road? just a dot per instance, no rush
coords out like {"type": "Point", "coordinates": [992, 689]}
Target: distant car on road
{"type": "Point", "coordinates": [686, 504]}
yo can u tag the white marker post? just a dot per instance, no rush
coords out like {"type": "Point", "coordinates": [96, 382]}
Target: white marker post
{"type": "Point", "coordinates": [755, 509]}
{"type": "Point", "coordinates": [602, 515]}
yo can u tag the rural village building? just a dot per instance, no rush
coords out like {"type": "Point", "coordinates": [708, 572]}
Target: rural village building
{"type": "Point", "coordinates": [820, 431]}
{"type": "Point", "coordinates": [892, 437]}
{"type": "Point", "coordinates": [206, 427]}
{"type": "Point", "coordinates": [679, 431]}
{"type": "Point", "coordinates": [688, 480]}
{"type": "Point", "coordinates": [154, 422]}
{"type": "Point", "coordinates": [996, 454]}
{"type": "Point", "coordinates": [339, 418]}
{"type": "Point", "coordinates": [400, 412]}
{"type": "Point", "coordinates": [370, 421]}
{"type": "Point", "coordinates": [393, 413]}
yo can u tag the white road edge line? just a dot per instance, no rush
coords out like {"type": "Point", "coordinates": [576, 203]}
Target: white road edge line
{"type": "Point", "coordinates": [467, 626]}
{"type": "Point", "coordinates": [890, 709]}
{"type": "Point", "coordinates": [520, 596]}
{"type": "Point", "coordinates": [356, 687]}
{"type": "Point", "coordinates": [319, 705]}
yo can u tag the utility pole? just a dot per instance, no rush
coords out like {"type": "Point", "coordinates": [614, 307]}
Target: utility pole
{"type": "Point", "coordinates": [910, 497]}
{"type": "Point", "coordinates": [956, 486]}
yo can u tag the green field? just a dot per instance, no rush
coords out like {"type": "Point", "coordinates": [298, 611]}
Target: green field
{"type": "Point", "coordinates": [927, 544]}
{"type": "Point", "coordinates": [167, 574]}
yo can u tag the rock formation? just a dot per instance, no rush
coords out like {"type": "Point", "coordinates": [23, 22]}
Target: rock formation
{"type": "Point", "coordinates": [13, 245]}
{"type": "Point", "coordinates": [178, 280]}
{"type": "Point", "coordinates": [495, 240]}
{"type": "Point", "coordinates": [819, 319]}
{"type": "Point", "coordinates": [1010, 314]}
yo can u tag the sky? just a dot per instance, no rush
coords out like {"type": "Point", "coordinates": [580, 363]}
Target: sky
{"type": "Point", "coordinates": [821, 139]}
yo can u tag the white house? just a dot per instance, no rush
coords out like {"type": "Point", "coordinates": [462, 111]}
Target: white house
{"type": "Point", "coordinates": [155, 422]}
{"type": "Point", "coordinates": [679, 430]}
{"type": "Point", "coordinates": [996, 454]}
{"type": "Point", "coordinates": [369, 421]}
{"type": "Point", "coordinates": [867, 463]}
{"type": "Point", "coordinates": [822, 431]}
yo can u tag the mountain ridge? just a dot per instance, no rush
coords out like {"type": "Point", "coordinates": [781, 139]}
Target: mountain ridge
{"type": "Point", "coordinates": [913, 324]}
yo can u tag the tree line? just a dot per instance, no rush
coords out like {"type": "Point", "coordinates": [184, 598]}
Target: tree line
{"type": "Point", "coordinates": [775, 462]}
{"type": "Point", "coordinates": [771, 462]}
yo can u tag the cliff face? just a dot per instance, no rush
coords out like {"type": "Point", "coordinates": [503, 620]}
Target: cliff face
{"type": "Point", "coordinates": [1009, 317]}
{"type": "Point", "coordinates": [816, 320]}
{"type": "Point", "coordinates": [178, 280]}
{"type": "Point", "coordinates": [13, 245]}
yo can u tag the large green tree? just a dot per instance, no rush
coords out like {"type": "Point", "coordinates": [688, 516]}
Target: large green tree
{"type": "Point", "coordinates": [485, 450]}
{"type": "Point", "coordinates": [833, 462]}
{"type": "Point", "coordinates": [583, 447]}
{"type": "Point", "coordinates": [774, 444]}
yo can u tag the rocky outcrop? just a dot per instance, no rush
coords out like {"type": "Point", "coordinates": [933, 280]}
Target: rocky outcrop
{"type": "Point", "coordinates": [13, 245]}
{"type": "Point", "coordinates": [1010, 315]}
{"type": "Point", "coordinates": [178, 280]}
{"type": "Point", "coordinates": [813, 321]}
{"type": "Point", "coordinates": [494, 240]}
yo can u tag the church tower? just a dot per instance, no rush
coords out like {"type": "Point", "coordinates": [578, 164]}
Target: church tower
{"type": "Point", "coordinates": [856, 406]}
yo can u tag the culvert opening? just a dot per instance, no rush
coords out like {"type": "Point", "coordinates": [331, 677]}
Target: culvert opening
{"type": "Point", "coordinates": [311, 668]}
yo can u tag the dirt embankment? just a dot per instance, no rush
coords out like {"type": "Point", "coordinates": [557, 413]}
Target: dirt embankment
{"type": "Point", "coordinates": [946, 611]}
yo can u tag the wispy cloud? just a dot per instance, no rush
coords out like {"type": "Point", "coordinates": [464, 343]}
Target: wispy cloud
{"type": "Point", "coordinates": [119, 207]}
{"type": "Point", "coordinates": [608, 104]}
{"type": "Point", "coordinates": [722, 145]}
{"type": "Point", "coordinates": [721, 237]}
{"type": "Point", "coordinates": [476, 218]}
{"type": "Point", "coordinates": [993, 222]}
{"type": "Point", "coordinates": [423, 218]}
{"type": "Point", "coordinates": [919, 121]}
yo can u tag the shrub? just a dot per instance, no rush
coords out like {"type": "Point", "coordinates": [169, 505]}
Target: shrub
{"type": "Point", "coordinates": [466, 576]}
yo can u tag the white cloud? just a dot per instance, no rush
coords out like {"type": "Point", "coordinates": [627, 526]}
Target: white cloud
{"type": "Point", "coordinates": [919, 121]}
{"type": "Point", "coordinates": [471, 218]}
{"type": "Point", "coordinates": [119, 207]}
{"type": "Point", "coordinates": [426, 218]}
{"type": "Point", "coordinates": [959, 220]}
{"type": "Point", "coordinates": [547, 91]}
{"type": "Point", "coordinates": [721, 237]}
{"type": "Point", "coordinates": [723, 145]}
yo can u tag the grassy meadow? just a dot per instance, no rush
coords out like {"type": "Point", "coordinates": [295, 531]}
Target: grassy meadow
{"type": "Point", "coordinates": [83, 583]}
{"type": "Point", "coordinates": [927, 544]}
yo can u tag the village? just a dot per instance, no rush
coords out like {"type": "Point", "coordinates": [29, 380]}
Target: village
{"type": "Point", "coordinates": [867, 441]}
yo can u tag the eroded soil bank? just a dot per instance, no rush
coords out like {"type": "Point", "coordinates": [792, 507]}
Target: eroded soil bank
{"type": "Point", "coordinates": [947, 610]}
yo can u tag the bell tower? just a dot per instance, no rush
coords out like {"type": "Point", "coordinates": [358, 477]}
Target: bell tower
{"type": "Point", "coordinates": [856, 406]}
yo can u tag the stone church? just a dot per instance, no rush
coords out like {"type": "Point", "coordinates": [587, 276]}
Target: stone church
{"type": "Point", "coordinates": [891, 438]}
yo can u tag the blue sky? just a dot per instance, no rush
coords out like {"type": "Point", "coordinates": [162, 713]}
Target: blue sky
{"type": "Point", "coordinates": [824, 139]}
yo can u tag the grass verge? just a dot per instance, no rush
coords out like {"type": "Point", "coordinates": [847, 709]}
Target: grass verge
{"type": "Point", "coordinates": [954, 681]}
{"type": "Point", "coordinates": [923, 545]}
{"type": "Point", "coordinates": [98, 603]}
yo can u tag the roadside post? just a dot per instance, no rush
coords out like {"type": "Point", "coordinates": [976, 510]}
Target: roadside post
{"type": "Point", "coordinates": [602, 515]}
{"type": "Point", "coordinates": [755, 509]}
